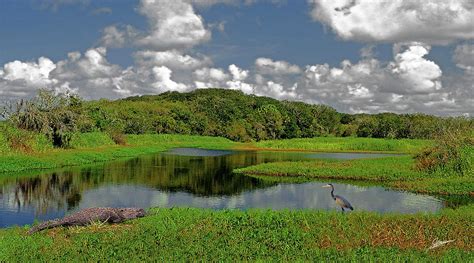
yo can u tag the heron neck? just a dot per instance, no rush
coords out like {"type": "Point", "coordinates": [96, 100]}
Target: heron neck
{"type": "Point", "coordinates": [332, 191]}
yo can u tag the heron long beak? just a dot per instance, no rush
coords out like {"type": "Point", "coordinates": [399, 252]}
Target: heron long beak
{"type": "Point", "coordinates": [326, 186]}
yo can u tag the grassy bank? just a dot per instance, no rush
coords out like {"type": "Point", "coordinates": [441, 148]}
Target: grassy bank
{"type": "Point", "coordinates": [229, 235]}
{"type": "Point", "coordinates": [396, 172]}
{"type": "Point", "coordinates": [97, 147]}
{"type": "Point", "coordinates": [345, 144]}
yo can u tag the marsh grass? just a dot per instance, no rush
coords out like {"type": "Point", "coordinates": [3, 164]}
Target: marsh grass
{"type": "Point", "coordinates": [346, 144]}
{"type": "Point", "coordinates": [181, 234]}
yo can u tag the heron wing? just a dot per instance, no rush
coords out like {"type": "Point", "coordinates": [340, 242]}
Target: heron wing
{"type": "Point", "coordinates": [343, 202]}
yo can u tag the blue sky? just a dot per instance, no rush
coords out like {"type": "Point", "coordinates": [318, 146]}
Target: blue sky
{"type": "Point", "coordinates": [432, 58]}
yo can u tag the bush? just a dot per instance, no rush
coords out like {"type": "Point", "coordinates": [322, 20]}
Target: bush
{"type": "Point", "coordinates": [452, 154]}
{"type": "Point", "coordinates": [16, 139]}
{"type": "Point", "coordinates": [55, 116]}
{"type": "Point", "coordinates": [118, 138]}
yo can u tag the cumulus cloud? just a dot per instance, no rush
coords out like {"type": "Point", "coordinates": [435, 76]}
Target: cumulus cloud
{"type": "Point", "coordinates": [173, 59]}
{"type": "Point", "coordinates": [210, 78]}
{"type": "Point", "coordinates": [430, 21]}
{"type": "Point", "coordinates": [173, 24]}
{"type": "Point", "coordinates": [270, 67]}
{"type": "Point", "coordinates": [418, 73]}
{"type": "Point", "coordinates": [163, 82]}
{"type": "Point", "coordinates": [20, 79]}
{"type": "Point", "coordinates": [409, 83]}
{"type": "Point", "coordinates": [92, 65]}
{"type": "Point", "coordinates": [238, 80]}
{"type": "Point", "coordinates": [118, 36]}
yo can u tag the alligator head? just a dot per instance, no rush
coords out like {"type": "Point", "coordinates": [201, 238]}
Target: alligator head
{"type": "Point", "coordinates": [131, 213]}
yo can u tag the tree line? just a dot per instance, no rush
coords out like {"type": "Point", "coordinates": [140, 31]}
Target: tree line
{"type": "Point", "coordinates": [216, 112]}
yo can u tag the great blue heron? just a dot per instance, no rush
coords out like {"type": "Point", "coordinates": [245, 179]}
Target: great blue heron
{"type": "Point", "coordinates": [341, 201]}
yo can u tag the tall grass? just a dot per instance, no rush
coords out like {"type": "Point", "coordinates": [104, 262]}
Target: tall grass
{"type": "Point", "coordinates": [347, 144]}
{"type": "Point", "coordinates": [18, 141]}
{"type": "Point", "coordinates": [183, 234]}
{"type": "Point", "coordinates": [453, 153]}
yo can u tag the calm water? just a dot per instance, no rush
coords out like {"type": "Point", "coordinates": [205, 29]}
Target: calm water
{"type": "Point", "coordinates": [191, 178]}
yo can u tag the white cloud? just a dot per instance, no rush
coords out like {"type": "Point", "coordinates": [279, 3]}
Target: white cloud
{"type": "Point", "coordinates": [118, 36]}
{"type": "Point", "coordinates": [210, 78]}
{"type": "Point", "coordinates": [238, 73]}
{"type": "Point", "coordinates": [238, 80]}
{"type": "Point", "coordinates": [173, 59]}
{"type": "Point", "coordinates": [92, 65]}
{"type": "Point", "coordinates": [410, 83]}
{"type": "Point", "coordinates": [429, 21]}
{"type": "Point", "coordinates": [173, 25]}
{"type": "Point", "coordinates": [35, 74]}
{"type": "Point", "coordinates": [276, 90]}
{"type": "Point", "coordinates": [420, 74]}
{"type": "Point", "coordinates": [22, 79]}
{"type": "Point", "coordinates": [163, 81]}
{"type": "Point", "coordinates": [270, 67]}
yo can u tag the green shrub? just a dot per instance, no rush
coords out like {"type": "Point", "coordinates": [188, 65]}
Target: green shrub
{"type": "Point", "coordinates": [118, 138]}
{"type": "Point", "coordinates": [452, 154]}
{"type": "Point", "coordinates": [17, 140]}
{"type": "Point", "coordinates": [56, 116]}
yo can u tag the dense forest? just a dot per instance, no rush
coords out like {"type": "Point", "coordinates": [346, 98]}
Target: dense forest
{"type": "Point", "coordinates": [216, 112]}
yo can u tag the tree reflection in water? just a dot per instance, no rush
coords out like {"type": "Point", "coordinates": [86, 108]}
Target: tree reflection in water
{"type": "Point", "coordinates": [199, 175]}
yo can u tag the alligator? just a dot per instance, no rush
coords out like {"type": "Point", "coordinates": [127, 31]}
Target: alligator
{"type": "Point", "coordinates": [89, 215]}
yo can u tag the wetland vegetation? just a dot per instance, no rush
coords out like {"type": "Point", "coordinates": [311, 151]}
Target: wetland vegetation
{"type": "Point", "coordinates": [436, 157]}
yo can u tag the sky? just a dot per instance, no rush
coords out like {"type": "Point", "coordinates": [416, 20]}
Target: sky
{"type": "Point", "coordinates": [358, 56]}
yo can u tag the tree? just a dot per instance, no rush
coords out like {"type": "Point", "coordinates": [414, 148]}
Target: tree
{"type": "Point", "coordinates": [56, 116]}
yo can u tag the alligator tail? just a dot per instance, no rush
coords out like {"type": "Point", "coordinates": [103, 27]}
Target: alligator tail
{"type": "Point", "coordinates": [45, 225]}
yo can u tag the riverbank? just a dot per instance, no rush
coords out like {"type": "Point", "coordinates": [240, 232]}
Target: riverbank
{"type": "Point", "coordinates": [229, 235]}
{"type": "Point", "coordinates": [394, 172]}
{"type": "Point", "coordinates": [94, 148]}
{"type": "Point", "coordinates": [89, 148]}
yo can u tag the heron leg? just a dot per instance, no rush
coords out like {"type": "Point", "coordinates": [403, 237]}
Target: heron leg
{"type": "Point", "coordinates": [342, 209]}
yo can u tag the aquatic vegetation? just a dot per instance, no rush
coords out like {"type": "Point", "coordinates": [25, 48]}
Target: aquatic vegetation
{"type": "Point", "coordinates": [228, 235]}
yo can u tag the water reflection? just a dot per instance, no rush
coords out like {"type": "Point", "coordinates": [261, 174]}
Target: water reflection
{"type": "Point", "coordinates": [185, 177]}
{"type": "Point", "coordinates": [281, 196]}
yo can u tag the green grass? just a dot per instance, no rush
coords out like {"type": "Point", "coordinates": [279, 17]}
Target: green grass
{"type": "Point", "coordinates": [182, 234]}
{"type": "Point", "coordinates": [397, 172]}
{"type": "Point", "coordinates": [346, 144]}
{"type": "Point", "coordinates": [4, 149]}
{"type": "Point", "coordinates": [91, 140]}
